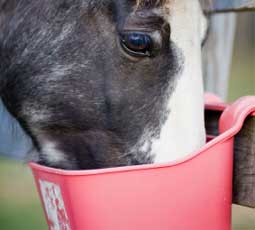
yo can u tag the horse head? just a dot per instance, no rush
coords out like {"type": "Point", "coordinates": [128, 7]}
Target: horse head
{"type": "Point", "coordinates": [104, 83]}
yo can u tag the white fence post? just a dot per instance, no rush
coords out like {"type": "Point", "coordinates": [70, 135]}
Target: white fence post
{"type": "Point", "coordinates": [217, 53]}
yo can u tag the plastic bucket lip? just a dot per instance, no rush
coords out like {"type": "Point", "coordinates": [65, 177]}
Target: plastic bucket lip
{"type": "Point", "coordinates": [212, 143]}
{"type": "Point", "coordinates": [240, 109]}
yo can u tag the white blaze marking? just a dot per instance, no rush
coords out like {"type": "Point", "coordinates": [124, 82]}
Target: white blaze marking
{"type": "Point", "coordinates": [184, 131]}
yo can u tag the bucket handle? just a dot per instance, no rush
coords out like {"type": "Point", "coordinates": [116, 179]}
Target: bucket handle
{"type": "Point", "coordinates": [235, 114]}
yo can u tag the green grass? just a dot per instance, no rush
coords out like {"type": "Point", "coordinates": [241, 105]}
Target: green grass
{"type": "Point", "coordinates": [242, 81]}
{"type": "Point", "coordinates": [19, 203]}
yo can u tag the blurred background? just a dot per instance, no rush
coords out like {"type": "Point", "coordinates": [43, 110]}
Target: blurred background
{"type": "Point", "coordinates": [242, 80]}
{"type": "Point", "coordinates": [19, 203]}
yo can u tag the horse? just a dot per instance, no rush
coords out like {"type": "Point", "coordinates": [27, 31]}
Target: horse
{"type": "Point", "coordinates": [104, 83]}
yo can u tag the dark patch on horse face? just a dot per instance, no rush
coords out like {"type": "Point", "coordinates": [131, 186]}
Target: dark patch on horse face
{"type": "Point", "coordinates": [64, 76]}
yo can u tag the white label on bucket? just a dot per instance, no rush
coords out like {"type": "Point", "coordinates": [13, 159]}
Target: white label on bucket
{"type": "Point", "coordinates": [54, 206]}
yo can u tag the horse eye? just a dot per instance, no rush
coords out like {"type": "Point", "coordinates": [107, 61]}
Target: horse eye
{"type": "Point", "coordinates": [137, 44]}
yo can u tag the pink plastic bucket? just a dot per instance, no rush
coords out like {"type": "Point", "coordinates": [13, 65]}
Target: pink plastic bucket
{"type": "Point", "coordinates": [194, 193]}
